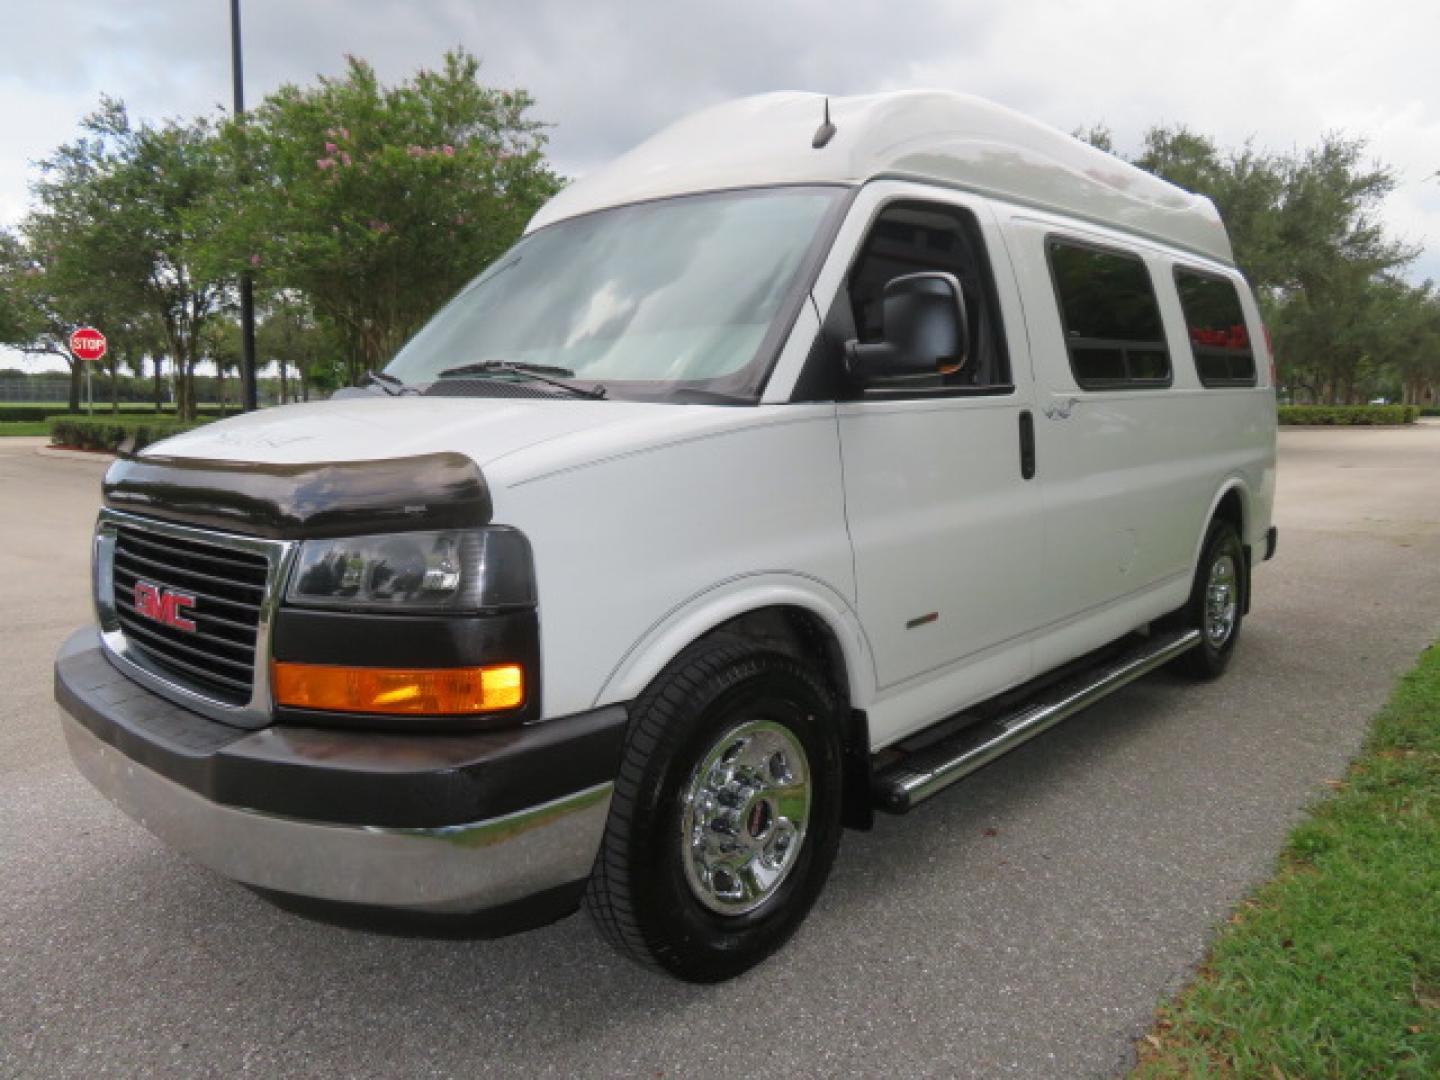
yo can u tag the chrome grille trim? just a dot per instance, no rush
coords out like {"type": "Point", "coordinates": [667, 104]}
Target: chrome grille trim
{"type": "Point", "coordinates": [227, 641]}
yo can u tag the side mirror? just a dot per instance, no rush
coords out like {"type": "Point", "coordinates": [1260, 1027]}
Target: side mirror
{"type": "Point", "coordinates": [925, 328]}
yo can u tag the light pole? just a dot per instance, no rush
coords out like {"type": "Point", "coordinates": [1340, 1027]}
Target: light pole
{"type": "Point", "coordinates": [248, 389]}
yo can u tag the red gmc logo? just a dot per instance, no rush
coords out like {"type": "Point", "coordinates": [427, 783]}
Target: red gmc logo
{"type": "Point", "coordinates": [164, 605]}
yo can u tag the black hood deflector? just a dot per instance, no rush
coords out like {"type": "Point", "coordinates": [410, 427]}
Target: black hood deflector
{"type": "Point", "coordinates": [314, 499]}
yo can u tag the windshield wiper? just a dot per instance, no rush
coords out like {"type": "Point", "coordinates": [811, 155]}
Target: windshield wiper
{"type": "Point", "coordinates": [389, 383]}
{"type": "Point", "coordinates": [535, 372]}
{"type": "Point", "coordinates": [482, 367]}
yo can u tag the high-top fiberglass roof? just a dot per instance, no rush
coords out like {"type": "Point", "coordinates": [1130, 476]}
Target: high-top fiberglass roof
{"type": "Point", "coordinates": [937, 136]}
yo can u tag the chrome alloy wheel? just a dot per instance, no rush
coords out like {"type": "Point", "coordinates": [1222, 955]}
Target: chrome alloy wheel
{"type": "Point", "coordinates": [1221, 601]}
{"type": "Point", "coordinates": [743, 816]}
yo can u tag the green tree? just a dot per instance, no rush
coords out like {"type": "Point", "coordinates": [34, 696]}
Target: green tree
{"type": "Point", "coordinates": [1410, 321]}
{"type": "Point", "coordinates": [376, 203]}
{"type": "Point", "coordinates": [119, 213]}
{"type": "Point", "coordinates": [145, 342]}
{"type": "Point", "coordinates": [17, 313]}
{"type": "Point", "coordinates": [1097, 135]}
{"type": "Point", "coordinates": [1335, 304]}
{"type": "Point", "coordinates": [40, 304]}
{"type": "Point", "coordinates": [290, 337]}
{"type": "Point", "coordinates": [220, 345]}
{"type": "Point", "coordinates": [1305, 232]}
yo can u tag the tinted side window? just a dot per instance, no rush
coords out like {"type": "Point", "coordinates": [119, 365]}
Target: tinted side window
{"type": "Point", "coordinates": [1215, 324]}
{"type": "Point", "coordinates": [1110, 318]}
{"type": "Point", "coordinates": [910, 237]}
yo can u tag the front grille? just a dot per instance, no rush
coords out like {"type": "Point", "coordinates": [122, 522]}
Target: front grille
{"type": "Point", "coordinates": [218, 656]}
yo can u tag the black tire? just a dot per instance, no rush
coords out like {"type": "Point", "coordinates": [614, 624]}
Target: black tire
{"type": "Point", "coordinates": [1209, 659]}
{"type": "Point", "coordinates": [639, 893]}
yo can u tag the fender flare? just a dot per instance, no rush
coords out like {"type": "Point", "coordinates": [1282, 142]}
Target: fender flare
{"type": "Point", "coordinates": [1234, 482]}
{"type": "Point", "coordinates": [703, 611]}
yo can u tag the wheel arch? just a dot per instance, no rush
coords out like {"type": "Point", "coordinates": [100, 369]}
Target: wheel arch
{"type": "Point", "coordinates": [800, 613]}
{"type": "Point", "coordinates": [797, 615]}
{"type": "Point", "coordinates": [1231, 503]}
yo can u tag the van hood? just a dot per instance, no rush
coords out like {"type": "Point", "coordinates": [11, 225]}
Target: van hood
{"type": "Point", "coordinates": [483, 429]}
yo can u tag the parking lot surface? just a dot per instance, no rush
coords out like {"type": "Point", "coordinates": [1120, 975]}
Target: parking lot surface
{"type": "Point", "coordinates": [1023, 924]}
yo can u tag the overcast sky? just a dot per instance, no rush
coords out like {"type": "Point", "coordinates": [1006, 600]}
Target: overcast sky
{"type": "Point", "coordinates": [606, 75]}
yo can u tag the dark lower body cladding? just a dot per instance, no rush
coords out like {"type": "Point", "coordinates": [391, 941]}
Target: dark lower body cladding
{"type": "Point", "coordinates": [436, 825]}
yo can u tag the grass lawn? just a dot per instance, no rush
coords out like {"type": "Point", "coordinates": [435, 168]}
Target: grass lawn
{"type": "Point", "coordinates": [24, 427]}
{"type": "Point", "coordinates": [1332, 969]}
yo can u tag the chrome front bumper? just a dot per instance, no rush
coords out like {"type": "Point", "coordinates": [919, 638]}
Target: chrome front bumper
{"type": "Point", "coordinates": [454, 868]}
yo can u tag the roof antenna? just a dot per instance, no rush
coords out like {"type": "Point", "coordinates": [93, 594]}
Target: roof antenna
{"type": "Point", "coordinates": [825, 132]}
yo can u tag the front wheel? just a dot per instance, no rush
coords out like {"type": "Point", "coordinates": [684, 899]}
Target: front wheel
{"type": "Point", "coordinates": [1216, 605]}
{"type": "Point", "coordinates": [726, 814]}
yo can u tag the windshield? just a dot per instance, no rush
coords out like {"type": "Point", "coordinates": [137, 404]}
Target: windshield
{"type": "Point", "coordinates": [678, 291]}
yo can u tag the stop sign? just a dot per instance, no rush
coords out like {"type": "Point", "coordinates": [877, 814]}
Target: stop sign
{"type": "Point", "coordinates": [88, 343]}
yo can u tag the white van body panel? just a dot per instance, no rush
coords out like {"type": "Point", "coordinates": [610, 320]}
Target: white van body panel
{"type": "Point", "coordinates": [1131, 477]}
{"type": "Point", "coordinates": [359, 428]}
{"type": "Point", "coordinates": [940, 521]}
{"type": "Point", "coordinates": [697, 615]}
{"type": "Point", "coordinates": [631, 546]}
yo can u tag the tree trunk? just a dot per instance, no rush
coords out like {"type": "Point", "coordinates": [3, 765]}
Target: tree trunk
{"type": "Point", "coordinates": [284, 387]}
{"type": "Point", "coordinates": [115, 387]}
{"type": "Point", "coordinates": [185, 391]}
{"type": "Point", "coordinates": [159, 363]}
{"type": "Point", "coordinates": [74, 385]}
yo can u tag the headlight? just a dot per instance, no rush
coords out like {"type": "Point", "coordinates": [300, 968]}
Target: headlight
{"type": "Point", "coordinates": [453, 571]}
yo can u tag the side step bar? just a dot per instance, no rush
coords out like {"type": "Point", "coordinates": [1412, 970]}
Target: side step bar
{"type": "Point", "coordinates": [904, 784]}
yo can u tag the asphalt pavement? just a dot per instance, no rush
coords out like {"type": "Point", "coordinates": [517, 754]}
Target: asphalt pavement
{"type": "Point", "coordinates": [1023, 924]}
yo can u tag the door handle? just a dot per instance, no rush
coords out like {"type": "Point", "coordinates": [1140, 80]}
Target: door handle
{"type": "Point", "coordinates": [1027, 445]}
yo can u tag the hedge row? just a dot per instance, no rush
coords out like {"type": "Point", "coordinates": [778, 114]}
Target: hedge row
{"type": "Point", "coordinates": [46, 412]}
{"type": "Point", "coordinates": [112, 433]}
{"type": "Point", "coordinates": [1348, 415]}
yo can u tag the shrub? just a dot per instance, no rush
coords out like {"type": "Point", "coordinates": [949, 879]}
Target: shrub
{"type": "Point", "coordinates": [31, 411]}
{"type": "Point", "coordinates": [1348, 415]}
{"type": "Point", "coordinates": [114, 433]}
{"type": "Point", "coordinates": [1430, 410]}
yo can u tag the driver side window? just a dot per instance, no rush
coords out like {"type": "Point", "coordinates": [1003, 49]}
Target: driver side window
{"type": "Point", "coordinates": [910, 237]}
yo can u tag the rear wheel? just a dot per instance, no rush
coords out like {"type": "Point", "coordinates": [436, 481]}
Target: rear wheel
{"type": "Point", "coordinates": [726, 814]}
{"type": "Point", "coordinates": [1216, 605]}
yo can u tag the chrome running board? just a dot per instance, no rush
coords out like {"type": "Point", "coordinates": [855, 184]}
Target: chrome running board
{"type": "Point", "coordinates": [903, 784]}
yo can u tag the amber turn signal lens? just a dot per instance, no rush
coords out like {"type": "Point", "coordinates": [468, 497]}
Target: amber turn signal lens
{"type": "Point", "coordinates": [403, 691]}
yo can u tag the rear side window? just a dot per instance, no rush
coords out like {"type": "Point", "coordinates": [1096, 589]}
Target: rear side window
{"type": "Point", "coordinates": [1110, 317]}
{"type": "Point", "coordinates": [1215, 324]}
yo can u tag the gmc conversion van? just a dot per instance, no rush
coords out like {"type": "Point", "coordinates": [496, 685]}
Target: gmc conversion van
{"type": "Point", "coordinates": [798, 463]}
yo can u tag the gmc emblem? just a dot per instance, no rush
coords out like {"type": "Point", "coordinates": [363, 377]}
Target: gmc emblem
{"type": "Point", "coordinates": [164, 605]}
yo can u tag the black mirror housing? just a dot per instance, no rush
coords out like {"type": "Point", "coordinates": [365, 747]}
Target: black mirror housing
{"type": "Point", "coordinates": [925, 327]}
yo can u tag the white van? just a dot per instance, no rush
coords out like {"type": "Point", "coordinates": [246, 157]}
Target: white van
{"type": "Point", "coordinates": [800, 462]}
